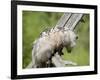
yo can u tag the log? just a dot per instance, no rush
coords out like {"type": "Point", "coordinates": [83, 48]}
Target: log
{"type": "Point", "coordinates": [59, 62]}
{"type": "Point", "coordinates": [69, 20]}
{"type": "Point", "coordinates": [73, 21]}
{"type": "Point", "coordinates": [63, 20]}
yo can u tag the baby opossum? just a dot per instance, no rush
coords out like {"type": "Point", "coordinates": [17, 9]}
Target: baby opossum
{"type": "Point", "coordinates": [51, 42]}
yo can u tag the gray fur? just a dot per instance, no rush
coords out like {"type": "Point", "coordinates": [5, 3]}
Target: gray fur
{"type": "Point", "coordinates": [51, 42]}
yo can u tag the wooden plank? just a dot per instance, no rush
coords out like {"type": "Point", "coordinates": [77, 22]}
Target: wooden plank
{"type": "Point", "coordinates": [57, 61]}
{"type": "Point", "coordinates": [73, 21]}
{"type": "Point", "coordinates": [63, 20]}
{"type": "Point", "coordinates": [69, 20]}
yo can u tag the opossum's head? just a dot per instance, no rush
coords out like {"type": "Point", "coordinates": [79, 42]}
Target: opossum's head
{"type": "Point", "coordinates": [69, 39]}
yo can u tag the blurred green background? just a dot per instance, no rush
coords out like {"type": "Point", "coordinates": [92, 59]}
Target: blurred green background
{"type": "Point", "coordinates": [35, 22]}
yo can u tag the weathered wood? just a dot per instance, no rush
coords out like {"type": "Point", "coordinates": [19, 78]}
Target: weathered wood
{"type": "Point", "coordinates": [73, 21]}
{"type": "Point", "coordinates": [69, 20]}
{"type": "Point", "coordinates": [63, 20]}
{"type": "Point", "coordinates": [59, 62]}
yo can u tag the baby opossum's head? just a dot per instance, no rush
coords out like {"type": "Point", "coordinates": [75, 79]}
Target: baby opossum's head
{"type": "Point", "coordinates": [69, 39]}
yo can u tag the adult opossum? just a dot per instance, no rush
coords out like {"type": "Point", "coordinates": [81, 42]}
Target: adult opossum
{"type": "Point", "coordinates": [51, 42]}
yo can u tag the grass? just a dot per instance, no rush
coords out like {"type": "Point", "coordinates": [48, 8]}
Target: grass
{"type": "Point", "coordinates": [35, 22]}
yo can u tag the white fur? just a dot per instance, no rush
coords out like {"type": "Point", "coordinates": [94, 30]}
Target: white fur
{"type": "Point", "coordinates": [44, 47]}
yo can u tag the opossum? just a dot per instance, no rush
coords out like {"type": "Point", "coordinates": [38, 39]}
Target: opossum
{"type": "Point", "coordinates": [50, 43]}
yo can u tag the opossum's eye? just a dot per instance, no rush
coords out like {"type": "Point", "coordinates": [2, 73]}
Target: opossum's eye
{"type": "Point", "coordinates": [76, 37]}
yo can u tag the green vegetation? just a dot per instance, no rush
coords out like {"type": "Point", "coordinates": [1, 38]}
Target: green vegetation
{"type": "Point", "coordinates": [35, 22]}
